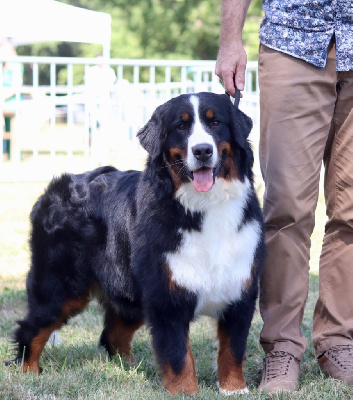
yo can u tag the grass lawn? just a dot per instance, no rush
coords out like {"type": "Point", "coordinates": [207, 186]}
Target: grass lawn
{"type": "Point", "coordinates": [79, 369]}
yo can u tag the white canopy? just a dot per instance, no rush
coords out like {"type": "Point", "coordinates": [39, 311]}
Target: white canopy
{"type": "Point", "coordinates": [29, 21]}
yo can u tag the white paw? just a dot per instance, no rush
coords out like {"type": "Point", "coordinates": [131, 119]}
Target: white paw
{"type": "Point", "coordinates": [226, 392]}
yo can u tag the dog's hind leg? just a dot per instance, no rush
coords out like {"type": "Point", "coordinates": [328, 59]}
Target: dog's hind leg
{"type": "Point", "coordinates": [118, 332]}
{"type": "Point", "coordinates": [34, 331]}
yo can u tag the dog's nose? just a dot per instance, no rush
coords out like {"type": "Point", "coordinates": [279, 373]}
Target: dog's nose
{"type": "Point", "coordinates": [202, 151]}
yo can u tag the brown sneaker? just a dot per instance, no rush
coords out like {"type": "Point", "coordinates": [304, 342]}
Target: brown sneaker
{"type": "Point", "coordinates": [337, 362]}
{"type": "Point", "coordinates": [280, 373]}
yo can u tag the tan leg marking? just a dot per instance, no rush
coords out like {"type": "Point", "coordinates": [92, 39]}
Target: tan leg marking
{"type": "Point", "coordinates": [37, 345]}
{"type": "Point", "coordinates": [120, 336]}
{"type": "Point", "coordinates": [72, 307]}
{"type": "Point", "coordinates": [185, 382]}
{"type": "Point", "coordinates": [230, 372]}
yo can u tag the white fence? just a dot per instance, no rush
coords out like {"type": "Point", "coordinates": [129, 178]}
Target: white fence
{"type": "Point", "coordinates": [89, 110]}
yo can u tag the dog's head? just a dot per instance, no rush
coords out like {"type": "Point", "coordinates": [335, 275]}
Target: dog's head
{"type": "Point", "coordinates": [199, 137]}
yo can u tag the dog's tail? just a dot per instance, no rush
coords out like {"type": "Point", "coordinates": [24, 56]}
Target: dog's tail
{"type": "Point", "coordinates": [92, 175]}
{"type": "Point", "coordinates": [65, 198]}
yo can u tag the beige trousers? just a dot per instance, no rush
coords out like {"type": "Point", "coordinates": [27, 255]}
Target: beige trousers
{"type": "Point", "coordinates": [306, 119]}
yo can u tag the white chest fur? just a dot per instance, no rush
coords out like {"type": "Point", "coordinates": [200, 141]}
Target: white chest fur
{"type": "Point", "coordinates": [216, 262]}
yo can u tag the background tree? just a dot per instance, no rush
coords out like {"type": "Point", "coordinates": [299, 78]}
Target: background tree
{"type": "Point", "coordinates": [182, 29]}
{"type": "Point", "coordinates": [156, 29]}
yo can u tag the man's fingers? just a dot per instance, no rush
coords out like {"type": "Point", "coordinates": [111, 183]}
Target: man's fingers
{"type": "Point", "coordinates": [230, 67]}
{"type": "Point", "coordinates": [230, 78]}
{"type": "Point", "coordinates": [228, 82]}
{"type": "Point", "coordinates": [240, 76]}
{"type": "Point", "coordinates": [225, 69]}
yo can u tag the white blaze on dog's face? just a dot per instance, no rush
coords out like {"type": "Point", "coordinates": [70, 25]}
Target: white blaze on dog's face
{"type": "Point", "coordinates": [202, 152]}
{"type": "Point", "coordinates": [199, 144]}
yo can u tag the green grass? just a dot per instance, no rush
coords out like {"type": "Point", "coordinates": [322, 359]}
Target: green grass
{"type": "Point", "coordinates": [79, 369]}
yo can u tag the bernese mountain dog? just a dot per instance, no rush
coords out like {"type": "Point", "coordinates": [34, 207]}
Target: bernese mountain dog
{"type": "Point", "coordinates": [182, 238]}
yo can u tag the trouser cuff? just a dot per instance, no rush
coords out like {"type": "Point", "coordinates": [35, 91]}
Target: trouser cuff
{"type": "Point", "coordinates": [288, 347]}
{"type": "Point", "coordinates": [328, 343]}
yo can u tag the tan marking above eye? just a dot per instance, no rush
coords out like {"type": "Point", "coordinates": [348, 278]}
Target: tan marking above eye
{"type": "Point", "coordinates": [210, 114]}
{"type": "Point", "coordinates": [185, 116]}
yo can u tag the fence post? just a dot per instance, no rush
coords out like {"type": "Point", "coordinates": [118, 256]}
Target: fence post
{"type": "Point", "coordinates": [2, 128]}
{"type": "Point", "coordinates": [70, 115]}
{"type": "Point", "coordinates": [53, 106]}
{"type": "Point", "coordinates": [35, 77]}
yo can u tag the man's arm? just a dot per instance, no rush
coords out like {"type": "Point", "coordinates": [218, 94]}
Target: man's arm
{"type": "Point", "coordinates": [232, 58]}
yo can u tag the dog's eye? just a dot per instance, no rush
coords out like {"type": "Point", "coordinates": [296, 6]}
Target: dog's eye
{"type": "Point", "coordinates": [215, 123]}
{"type": "Point", "coordinates": [182, 127]}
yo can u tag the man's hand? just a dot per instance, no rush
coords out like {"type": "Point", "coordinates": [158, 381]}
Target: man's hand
{"type": "Point", "coordinates": [230, 67]}
{"type": "Point", "coordinates": [231, 60]}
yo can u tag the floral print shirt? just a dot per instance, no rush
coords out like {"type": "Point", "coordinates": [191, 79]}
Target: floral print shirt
{"type": "Point", "coordinates": [304, 28]}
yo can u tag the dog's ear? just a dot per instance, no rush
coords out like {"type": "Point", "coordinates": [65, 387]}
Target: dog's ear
{"type": "Point", "coordinates": [240, 125]}
{"type": "Point", "coordinates": [152, 135]}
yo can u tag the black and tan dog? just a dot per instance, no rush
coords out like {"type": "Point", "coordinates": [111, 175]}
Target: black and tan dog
{"type": "Point", "coordinates": [181, 239]}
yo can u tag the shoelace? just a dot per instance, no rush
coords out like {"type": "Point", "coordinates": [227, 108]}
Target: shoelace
{"type": "Point", "coordinates": [343, 355]}
{"type": "Point", "coordinates": [278, 364]}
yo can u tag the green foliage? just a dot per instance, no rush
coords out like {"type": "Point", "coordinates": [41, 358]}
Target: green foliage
{"type": "Point", "coordinates": [251, 29]}
{"type": "Point", "coordinates": [158, 29]}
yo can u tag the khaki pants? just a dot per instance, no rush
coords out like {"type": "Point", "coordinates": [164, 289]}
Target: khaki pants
{"type": "Point", "coordinates": [306, 119]}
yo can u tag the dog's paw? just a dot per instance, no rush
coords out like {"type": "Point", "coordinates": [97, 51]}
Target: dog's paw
{"type": "Point", "coordinates": [226, 392]}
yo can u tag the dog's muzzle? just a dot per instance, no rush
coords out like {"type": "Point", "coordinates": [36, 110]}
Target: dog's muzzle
{"type": "Point", "coordinates": [203, 176]}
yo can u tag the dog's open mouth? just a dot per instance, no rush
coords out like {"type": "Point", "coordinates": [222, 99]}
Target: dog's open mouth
{"type": "Point", "coordinates": [203, 179]}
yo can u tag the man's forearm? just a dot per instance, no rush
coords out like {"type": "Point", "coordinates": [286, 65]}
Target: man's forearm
{"type": "Point", "coordinates": [231, 60]}
{"type": "Point", "coordinates": [232, 21]}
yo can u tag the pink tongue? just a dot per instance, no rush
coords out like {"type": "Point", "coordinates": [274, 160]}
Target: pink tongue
{"type": "Point", "coordinates": [203, 180]}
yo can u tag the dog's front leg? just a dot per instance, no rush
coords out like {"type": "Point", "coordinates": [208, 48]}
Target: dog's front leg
{"type": "Point", "coordinates": [233, 329]}
{"type": "Point", "coordinates": [173, 351]}
{"type": "Point", "coordinates": [230, 370]}
{"type": "Point", "coordinates": [180, 380]}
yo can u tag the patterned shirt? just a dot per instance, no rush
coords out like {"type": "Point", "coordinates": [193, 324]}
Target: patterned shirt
{"type": "Point", "coordinates": [304, 28]}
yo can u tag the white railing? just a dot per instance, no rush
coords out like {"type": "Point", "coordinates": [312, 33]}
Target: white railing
{"type": "Point", "coordinates": [54, 120]}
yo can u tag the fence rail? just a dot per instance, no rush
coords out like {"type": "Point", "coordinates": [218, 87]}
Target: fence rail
{"type": "Point", "coordinates": [69, 107]}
